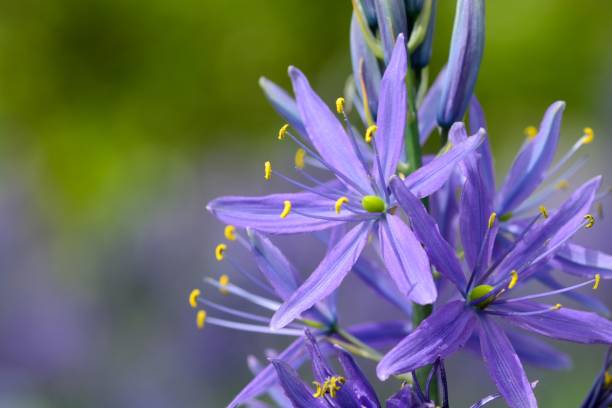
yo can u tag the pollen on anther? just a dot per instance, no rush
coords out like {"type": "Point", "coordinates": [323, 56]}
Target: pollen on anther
{"type": "Point", "coordinates": [513, 279]}
{"type": "Point", "coordinates": [224, 280]}
{"type": "Point", "coordinates": [339, 203]}
{"type": "Point", "coordinates": [544, 211]}
{"type": "Point", "coordinates": [267, 170]}
{"type": "Point", "coordinates": [230, 232]}
{"type": "Point", "coordinates": [597, 280]}
{"type": "Point", "coordinates": [563, 185]}
{"type": "Point", "coordinates": [492, 219]}
{"type": "Point", "coordinates": [531, 132]}
{"type": "Point", "coordinates": [193, 298]}
{"type": "Point", "coordinates": [370, 133]}
{"type": "Point", "coordinates": [283, 131]}
{"type": "Point", "coordinates": [340, 105]}
{"type": "Point", "coordinates": [589, 135]}
{"type": "Point", "coordinates": [590, 221]}
{"type": "Point", "coordinates": [201, 319]}
{"type": "Point", "coordinates": [557, 306]}
{"type": "Point", "coordinates": [286, 209]}
{"type": "Point", "coordinates": [300, 155]}
{"type": "Point", "coordinates": [220, 251]}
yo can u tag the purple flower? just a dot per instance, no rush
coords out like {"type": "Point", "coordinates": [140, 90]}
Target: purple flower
{"type": "Point", "coordinates": [359, 196]}
{"type": "Point", "coordinates": [600, 395]}
{"type": "Point", "coordinates": [485, 302]}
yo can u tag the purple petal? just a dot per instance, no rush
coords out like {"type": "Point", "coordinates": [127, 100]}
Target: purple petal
{"type": "Point", "coordinates": [371, 72]}
{"type": "Point", "coordinates": [391, 117]}
{"type": "Point", "coordinates": [326, 133]}
{"type": "Point", "coordinates": [263, 213]}
{"type": "Point", "coordinates": [326, 278]}
{"type": "Point", "coordinates": [584, 262]}
{"type": "Point", "coordinates": [529, 167]}
{"type": "Point", "coordinates": [297, 392]}
{"type": "Point", "coordinates": [441, 254]}
{"type": "Point", "coordinates": [432, 176]}
{"type": "Point", "coordinates": [563, 324]}
{"type": "Point", "coordinates": [283, 103]}
{"type": "Point", "coordinates": [357, 383]}
{"type": "Point", "coordinates": [429, 108]}
{"type": "Point", "coordinates": [477, 121]}
{"type": "Point", "coordinates": [444, 208]}
{"type": "Point", "coordinates": [404, 398]}
{"type": "Point", "coordinates": [441, 334]}
{"type": "Point", "coordinates": [504, 366]}
{"type": "Point", "coordinates": [406, 260]}
{"type": "Point", "coordinates": [391, 15]}
{"type": "Point", "coordinates": [538, 353]}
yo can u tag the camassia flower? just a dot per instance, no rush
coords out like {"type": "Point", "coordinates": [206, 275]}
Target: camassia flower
{"type": "Point", "coordinates": [360, 194]}
{"type": "Point", "coordinates": [276, 276]}
{"type": "Point", "coordinates": [485, 299]}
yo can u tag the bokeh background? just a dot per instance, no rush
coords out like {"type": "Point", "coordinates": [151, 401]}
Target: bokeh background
{"type": "Point", "coordinates": [120, 119]}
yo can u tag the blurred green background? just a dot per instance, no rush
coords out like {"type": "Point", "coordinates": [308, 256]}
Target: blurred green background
{"type": "Point", "coordinates": [120, 119]}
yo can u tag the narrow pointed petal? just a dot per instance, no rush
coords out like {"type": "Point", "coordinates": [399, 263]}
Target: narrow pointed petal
{"type": "Point", "coordinates": [538, 353]}
{"type": "Point", "coordinates": [406, 260]}
{"type": "Point", "coordinates": [441, 254]}
{"type": "Point", "coordinates": [263, 213]}
{"type": "Point", "coordinates": [477, 121]}
{"type": "Point", "coordinates": [284, 104]}
{"type": "Point", "coordinates": [441, 334]}
{"type": "Point", "coordinates": [326, 132]}
{"type": "Point", "coordinates": [432, 176]}
{"type": "Point", "coordinates": [444, 208]}
{"type": "Point", "coordinates": [530, 165]}
{"type": "Point", "coordinates": [297, 392]}
{"type": "Point", "coordinates": [391, 117]}
{"type": "Point", "coordinates": [371, 72]}
{"type": "Point", "coordinates": [429, 108]}
{"type": "Point", "coordinates": [391, 15]}
{"type": "Point", "coordinates": [504, 366]}
{"type": "Point", "coordinates": [584, 262]}
{"type": "Point", "coordinates": [326, 278]}
{"type": "Point", "coordinates": [356, 382]}
{"type": "Point", "coordinates": [563, 324]}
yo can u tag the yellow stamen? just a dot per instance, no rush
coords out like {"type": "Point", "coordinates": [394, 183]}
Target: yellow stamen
{"type": "Point", "coordinates": [544, 211]}
{"type": "Point", "coordinates": [224, 280]}
{"type": "Point", "coordinates": [286, 209]}
{"type": "Point", "coordinates": [557, 306]}
{"type": "Point", "coordinates": [320, 392]}
{"type": "Point", "coordinates": [513, 280]}
{"type": "Point", "coordinates": [267, 170]}
{"type": "Point", "coordinates": [590, 221]}
{"type": "Point", "coordinates": [339, 202]}
{"type": "Point", "coordinates": [607, 379]}
{"type": "Point", "coordinates": [597, 280]}
{"type": "Point", "coordinates": [340, 105]}
{"type": "Point", "coordinates": [589, 135]}
{"type": "Point", "coordinates": [333, 385]}
{"type": "Point", "coordinates": [370, 133]}
{"type": "Point", "coordinates": [201, 318]}
{"type": "Point", "coordinates": [193, 298]}
{"type": "Point", "coordinates": [492, 219]}
{"type": "Point", "coordinates": [300, 155]}
{"type": "Point", "coordinates": [283, 131]}
{"type": "Point", "coordinates": [563, 185]}
{"type": "Point", "coordinates": [230, 232]}
{"type": "Point", "coordinates": [531, 132]}
{"type": "Point", "coordinates": [220, 251]}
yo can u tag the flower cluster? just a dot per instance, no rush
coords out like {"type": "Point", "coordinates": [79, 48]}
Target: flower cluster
{"type": "Point", "coordinates": [431, 234]}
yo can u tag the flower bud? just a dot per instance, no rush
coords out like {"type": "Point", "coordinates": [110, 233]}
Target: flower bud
{"type": "Point", "coordinates": [391, 15]}
{"type": "Point", "coordinates": [422, 55]}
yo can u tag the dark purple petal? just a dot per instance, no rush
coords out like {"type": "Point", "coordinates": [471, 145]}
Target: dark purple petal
{"type": "Point", "coordinates": [356, 382]}
{"type": "Point", "coordinates": [326, 132]}
{"type": "Point", "coordinates": [429, 108]}
{"type": "Point", "coordinates": [391, 15]}
{"type": "Point", "coordinates": [404, 398]}
{"type": "Point", "coordinates": [438, 336]}
{"type": "Point", "coordinates": [297, 392]}
{"type": "Point", "coordinates": [406, 260]}
{"type": "Point", "coordinates": [504, 366]}
{"type": "Point", "coordinates": [441, 254]}
{"type": "Point", "coordinates": [584, 262]}
{"type": "Point", "coordinates": [433, 175]}
{"type": "Point", "coordinates": [391, 117]}
{"type": "Point", "coordinates": [371, 72]}
{"type": "Point", "coordinates": [283, 103]}
{"type": "Point", "coordinates": [326, 278]}
{"type": "Point", "coordinates": [529, 167]}
{"type": "Point", "coordinates": [563, 324]}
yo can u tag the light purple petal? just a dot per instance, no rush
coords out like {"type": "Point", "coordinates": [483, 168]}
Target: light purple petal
{"type": "Point", "coordinates": [406, 260]}
{"type": "Point", "coordinates": [585, 262]}
{"type": "Point", "coordinates": [428, 110]}
{"type": "Point", "coordinates": [440, 335]}
{"type": "Point", "coordinates": [326, 278]}
{"type": "Point", "coordinates": [529, 167]}
{"type": "Point", "coordinates": [441, 254]}
{"type": "Point", "coordinates": [326, 133]}
{"type": "Point", "coordinates": [283, 103]}
{"type": "Point", "coordinates": [432, 176]}
{"type": "Point", "coordinates": [563, 324]}
{"type": "Point", "coordinates": [504, 366]}
{"type": "Point", "coordinates": [391, 117]}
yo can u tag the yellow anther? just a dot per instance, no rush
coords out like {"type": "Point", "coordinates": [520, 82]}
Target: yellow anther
{"type": "Point", "coordinates": [340, 105]}
{"type": "Point", "coordinates": [563, 185]}
{"type": "Point", "coordinates": [590, 221]}
{"type": "Point", "coordinates": [220, 251]}
{"type": "Point", "coordinates": [300, 155]}
{"type": "Point", "coordinates": [339, 202]}
{"type": "Point", "coordinates": [334, 385]}
{"type": "Point", "coordinates": [286, 209]}
{"type": "Point", "coordinates": [267, 170]}
{"type": "Point", "coordinates": [492, 219]}
{"type": "Point", "coordinates": [513, 279]}
{"type": "Point", "coordinates": [544, 211]}
{"type": "Point", "coordinates": [230, 232]}
{"type": "Point", "coordinates": [531, 132]}
{"type": "Point", "coordinates": [224, 280]}
{"type": "Point", "coordinates": [193, 298]}
{"type": "Point", "coordinates": [557, 306]}
{"type": "Point", "coordinates": [401, 176]}
{"type": "Point", "coordinates": [607, 379]}
{"type": "Point", "coordinates": [597, 280]}
{"type": "Point", "coordinates": [589, 135]}
{"type": "Point", "coordinates": [201, 319]}
{"type": "Point", "coordinates": [283, 131]}
{"type": "Point", "coordinates": [370, 133]}
{"type": "Point", "coordinates": [320, 392]}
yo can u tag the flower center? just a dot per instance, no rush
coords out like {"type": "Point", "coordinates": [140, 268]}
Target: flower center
{"type": "Point", "coordinates": [479, 292]}
{"type": "Point", "coordinates": [373, 204]}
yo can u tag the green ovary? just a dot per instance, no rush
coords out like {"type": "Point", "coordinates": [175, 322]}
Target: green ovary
{"type": "Point", "coordinates": [373, 204]}
{"type": "Point", "coordinates": [479, 292]}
